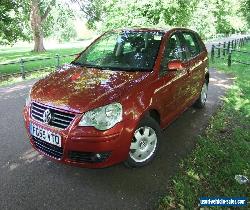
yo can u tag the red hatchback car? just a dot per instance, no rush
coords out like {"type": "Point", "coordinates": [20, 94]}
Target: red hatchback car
{"type": "Point", "coordinates": [110, 104]}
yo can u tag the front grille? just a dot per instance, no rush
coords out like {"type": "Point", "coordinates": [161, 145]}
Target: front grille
{"type": "Point", "coordinates": [47, 148]}
{"type": "Point", "coordinates": [59, 119]}
{"type": "Point", "coordinates": [88, 157]}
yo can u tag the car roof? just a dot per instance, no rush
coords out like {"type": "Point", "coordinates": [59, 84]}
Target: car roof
{"type": "Point", "coordinates": [163, 30]}
{"type": "Point", "coordinates": [145, 29]}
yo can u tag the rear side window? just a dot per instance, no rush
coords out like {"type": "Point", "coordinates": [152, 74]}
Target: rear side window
{"type": "Point", "coordinates": [193, 47]}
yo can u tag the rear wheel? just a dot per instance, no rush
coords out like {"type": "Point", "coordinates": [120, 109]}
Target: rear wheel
{"type": "Point", "coordinates": [201, 101]}
{"type": "Point", "coordinates": [144, 144]}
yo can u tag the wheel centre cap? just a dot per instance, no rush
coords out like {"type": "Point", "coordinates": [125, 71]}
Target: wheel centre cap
{"type": "Point", "coordinates": [143, 144]}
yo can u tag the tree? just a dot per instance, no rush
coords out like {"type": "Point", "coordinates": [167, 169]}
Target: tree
{"type": "Point", "coordinates": [34, 20]}
{"type": "Point", "coordinates": [37, 19]}
{"type": "Point", "coordinates": [50, 17]}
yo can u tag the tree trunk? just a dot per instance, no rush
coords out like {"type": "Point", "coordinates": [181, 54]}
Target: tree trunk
{"type": "Point", "coordinates": [36, 25]}
{"type": "Point", "coordinates": [38, 47]}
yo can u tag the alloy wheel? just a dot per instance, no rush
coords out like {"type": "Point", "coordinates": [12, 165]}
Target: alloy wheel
{"type": "Point", "coordinates": [143, 144]}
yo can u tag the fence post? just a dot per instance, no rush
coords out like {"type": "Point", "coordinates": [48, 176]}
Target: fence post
{"type": "Point", "coordinates": [212, 53]}
{"type": "Point", "coordinates": [235, 44]}
{"type": "Point", "coordinates": [219, 50]}
{"type": "Point", "coordinates": [228, 47]}
{"type": "Point", "coordinates": [22, 68]}
{"type": "Point", "coordinates": [229, 60]}
{"type": "Point", "coordinates": [57, 60]}
{"type": "Point", "coordinates": [224, 48]}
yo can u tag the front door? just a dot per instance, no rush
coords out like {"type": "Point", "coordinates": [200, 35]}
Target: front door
{"type": "Point", "coordinates": [173, 83]}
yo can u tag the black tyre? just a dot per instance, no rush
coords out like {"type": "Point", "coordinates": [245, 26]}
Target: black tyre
{"type": "Point", "coordinates": [201, 101]}
{"type": "Point", "coordinates": [145, 143]}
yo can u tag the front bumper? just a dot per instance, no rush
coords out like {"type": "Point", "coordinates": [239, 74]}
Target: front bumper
{"type": "Point", "coordinates": [84, 146]}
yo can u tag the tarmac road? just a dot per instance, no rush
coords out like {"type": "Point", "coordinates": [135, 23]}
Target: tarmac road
{"type": "Point", "coordinates": [30, 181]}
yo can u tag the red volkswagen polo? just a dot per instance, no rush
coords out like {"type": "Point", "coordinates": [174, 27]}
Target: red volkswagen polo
{"type": "Point", "coordinates": [110, 104]}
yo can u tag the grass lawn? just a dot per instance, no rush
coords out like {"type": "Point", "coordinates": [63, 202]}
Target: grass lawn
{"type": "Point", "coordinates": [222, 152]}
{"type": "Point", "coordinates": [14, 54]}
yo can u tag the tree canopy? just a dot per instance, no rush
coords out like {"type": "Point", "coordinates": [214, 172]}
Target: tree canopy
{"type": "Point", "coordinates": [208, 17]}
{"type": "Point", "coordinates": [55, 17]}
{"type": "Point", "coordinates": [10, 23]}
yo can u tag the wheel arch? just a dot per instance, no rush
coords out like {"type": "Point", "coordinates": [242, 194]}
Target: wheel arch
{"type": "Point", "coordinates": [153, 113]}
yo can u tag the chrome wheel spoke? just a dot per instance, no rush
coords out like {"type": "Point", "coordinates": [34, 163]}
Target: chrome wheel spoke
{"type": "Point", "coordinates": [134, 145]}
{"type": "Point", "coordinates": [137, 154]}
{"type": "Point", "coordinates": [146, 131]}
{"type": "Point", "coordinates": [143, 155]}
{"type": "Point", "coordinates": [151, 147]}
{"type": "Point", "coordinates": [152, 138]}
{"type": "Point", "coordinates": [138, 135]}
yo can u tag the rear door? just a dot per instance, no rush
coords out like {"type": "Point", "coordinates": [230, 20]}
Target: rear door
{"type": "Point", "coordinates": [196, 57]}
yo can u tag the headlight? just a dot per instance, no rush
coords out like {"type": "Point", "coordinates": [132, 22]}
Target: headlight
{"type": "Point", "coordinates": [103, 118]}
{"type": "Point", "coordinates": [28, 99]}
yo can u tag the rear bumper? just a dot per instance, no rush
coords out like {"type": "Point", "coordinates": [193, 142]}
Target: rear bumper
{"type": "Point", "coordinates": [84, 146]}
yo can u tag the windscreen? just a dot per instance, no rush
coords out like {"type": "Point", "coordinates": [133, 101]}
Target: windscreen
{"type": "Point", "coordinates": [126, 50]}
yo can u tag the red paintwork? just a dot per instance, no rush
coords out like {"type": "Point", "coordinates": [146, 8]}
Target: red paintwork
{"type": "Point", "coordinates": [77, 90]}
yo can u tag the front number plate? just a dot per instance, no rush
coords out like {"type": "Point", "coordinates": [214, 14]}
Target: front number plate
{"type": "Point", "coordinates": [45, 135]}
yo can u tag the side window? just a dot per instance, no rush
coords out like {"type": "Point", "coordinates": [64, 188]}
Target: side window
{"type": "Point", "coordinates": [191, 44]}
{"type": "Point", "coordinates": [173, 51]}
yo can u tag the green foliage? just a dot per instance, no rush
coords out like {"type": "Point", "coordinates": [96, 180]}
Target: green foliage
{"type": "Point", "coordinates": [62, 27]}
{"type": "Point", "coordinates": [120, 13]}
{"type": "Point", "coordinates": [203, 19]}
{"type": "Point", "coordinates": [10, 23]}
{"type": "Point", "coordinates": [245, 7]}
{"type": "Point", "coordinates": [208, 17]}
{"type": "Point", "coordinates": [220, 154]}
{"type": "Point", "coordinates": [15, 20]}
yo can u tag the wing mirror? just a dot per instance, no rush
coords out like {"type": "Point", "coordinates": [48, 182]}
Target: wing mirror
{"type": "Point", "coordinates": [175, 65]}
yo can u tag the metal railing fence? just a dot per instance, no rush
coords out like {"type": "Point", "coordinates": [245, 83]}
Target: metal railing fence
{"type": "Point", "coordinates": [22, 69]}
{"type": "Point", "coordinates": [226, 50]}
